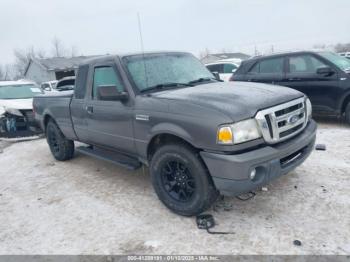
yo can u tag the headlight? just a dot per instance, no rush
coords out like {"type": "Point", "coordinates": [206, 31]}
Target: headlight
{"type": "Point", "coordinates": [239, 132]}
{"type": "Point", "coordinates": [308, 108]}
{"type": "Point", "coordinates": [14, 111]}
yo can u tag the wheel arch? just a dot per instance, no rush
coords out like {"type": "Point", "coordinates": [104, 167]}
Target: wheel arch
{"type": "Point", "coordinates": [46, 119]}
{"type": "Point", "coordinates": [164, 138]}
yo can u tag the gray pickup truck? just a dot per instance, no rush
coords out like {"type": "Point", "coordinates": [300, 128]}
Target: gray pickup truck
{"type": "Point", "coordinates": [199, 136]}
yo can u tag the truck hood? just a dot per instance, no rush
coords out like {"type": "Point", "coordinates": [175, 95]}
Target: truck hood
{"type": "Point", "coordinates": [20, 104]}
{"type": "Point", "coordinates": [238, 100]}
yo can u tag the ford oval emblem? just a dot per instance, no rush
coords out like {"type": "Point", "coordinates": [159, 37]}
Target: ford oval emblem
{"type": "Point", "coordinates": [293, 119]}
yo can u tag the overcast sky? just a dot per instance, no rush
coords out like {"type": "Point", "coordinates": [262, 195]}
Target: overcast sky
{"type": "Point", "coordinates": [110, 26]}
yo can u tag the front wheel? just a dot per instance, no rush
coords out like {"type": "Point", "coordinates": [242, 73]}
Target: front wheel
{"type": "Point", "coordinates": [181, 180]}
{"type": "Point", "coordinates": [61, 147]}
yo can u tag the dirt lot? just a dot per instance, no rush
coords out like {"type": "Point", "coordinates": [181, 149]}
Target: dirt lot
{"type": "Point", "coordinates": [87, 206]}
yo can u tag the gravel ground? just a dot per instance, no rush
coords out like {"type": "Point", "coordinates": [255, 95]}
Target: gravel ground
{"type": "Point", "coordinates": [87, 206]}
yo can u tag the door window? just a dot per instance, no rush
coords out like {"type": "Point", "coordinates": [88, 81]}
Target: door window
{"type": "Point", "coordinates": [304, 64]}
{"type": "Point", "coordinates": [269, 66]}
{"type": "Point", "coordinates": [105, 76]}
{"type": "Point", "coordinates": [228, 68]}
{"type": "Point", "coordinates": [216, 68]}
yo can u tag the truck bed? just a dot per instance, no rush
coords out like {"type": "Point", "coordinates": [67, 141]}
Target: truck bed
{"type": "Point", "coordinates": [57, 106]}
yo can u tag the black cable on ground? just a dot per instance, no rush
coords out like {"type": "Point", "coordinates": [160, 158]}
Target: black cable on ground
{"type": "Point", "coordinates": [206, 221]}
{"type": "Point", "coordinates": [250, 196]}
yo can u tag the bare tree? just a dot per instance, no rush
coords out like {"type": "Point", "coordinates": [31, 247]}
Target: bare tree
{"type": "Point", "coordinates": [9, 72]}
{"type": "Point", "coordinates": [2, 73]}
{"type": "Point", "coordinates": [22, 59]}
{"type": "Point", "coordinates": [6, 72]}
{"type": "Point", "coordinates": [24, 56]}
{"type": "Point", "coordinates": [319, 46]}
{"type": "Point", "coordinates": [342, 47]}
{"type": "Point", "coordinates": [58, 49]}
{"type": "Point", "coordinates": [74, 51]}
{"type": "Point", "coordinates": [40, 54]}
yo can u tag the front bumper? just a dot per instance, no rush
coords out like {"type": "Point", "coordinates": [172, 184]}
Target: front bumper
{"type": "Point", "coordinates": [230, 173]}
{"type": "Point", "coordinates": [13, 126]}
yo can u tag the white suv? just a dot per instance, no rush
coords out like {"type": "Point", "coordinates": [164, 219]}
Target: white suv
{"type": "Point", "coordinates": [225, 68]}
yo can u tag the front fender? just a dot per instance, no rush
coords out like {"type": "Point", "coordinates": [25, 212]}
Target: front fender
{"type": "Point", "coordinates": [171, 129]}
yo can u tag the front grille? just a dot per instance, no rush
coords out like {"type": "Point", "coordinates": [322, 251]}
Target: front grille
{"type": "Point", "coordinates": [292, 157]}
{"type": "Point", "coordinates": [283, 121]}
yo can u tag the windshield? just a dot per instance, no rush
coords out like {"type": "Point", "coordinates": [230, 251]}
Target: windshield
{"type": "Point", "coordinates": [341, 62]}
{"type": "Point", "coordinates": [158, 69]}
{"type": "Point", "coordinates": [19, 91]}
{"type": "Point", "coordinates": [66, 84]}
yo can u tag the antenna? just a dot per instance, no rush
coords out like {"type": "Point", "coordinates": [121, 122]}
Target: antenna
{"type": "Point", "coordinates": [142, 48]}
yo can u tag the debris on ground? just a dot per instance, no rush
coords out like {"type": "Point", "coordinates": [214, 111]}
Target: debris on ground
{"type": "Point", "coordinates": [221, 204]}
{"type": "Point", "coordinates": [297, 242]}
{"type": "Point", "coordinates": [320, 147]}
{"type": "Point", "coordinates": [246, 196]}
{"type": "Point", "coordinates": [206, 221]}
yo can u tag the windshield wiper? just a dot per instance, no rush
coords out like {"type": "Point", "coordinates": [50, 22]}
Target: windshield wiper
{"type": "Point", "coordinates": [202, 79]}
{"type": "Point", "coordinates": [163, 86]}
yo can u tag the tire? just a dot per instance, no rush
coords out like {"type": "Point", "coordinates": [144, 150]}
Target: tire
{"type": "Point", "coordinates": [181, 180]}
{"type": "Point", "coordinates": [61, 148]}
{"type": "Point", "coordinates": [347, 114]}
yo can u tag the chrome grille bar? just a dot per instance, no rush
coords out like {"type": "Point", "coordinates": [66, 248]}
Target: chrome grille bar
{"type": "Point", "coordinates": [293, 121]}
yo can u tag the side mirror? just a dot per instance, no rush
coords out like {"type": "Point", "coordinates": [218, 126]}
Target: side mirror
{"type": "Point", "coordinates": [234, 70]}
{"type": "Point", "coordinates": [111, 93]}
{"type": "Point", "coordinates": [325, 71]}
{"type": "Point", "coordinates": [216, 75]}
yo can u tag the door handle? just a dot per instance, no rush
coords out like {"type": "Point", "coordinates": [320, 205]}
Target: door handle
{"type": "Point", "coordinates": [294, 79]}
{"type": "Point", "coordinates": [89, 109]}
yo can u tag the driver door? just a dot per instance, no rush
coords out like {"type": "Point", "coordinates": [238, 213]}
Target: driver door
{"type": "Point", "coordinates": [109, 123]}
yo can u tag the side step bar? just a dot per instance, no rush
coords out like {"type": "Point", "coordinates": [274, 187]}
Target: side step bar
{"type": "Point", "coordinates": [110, 156]}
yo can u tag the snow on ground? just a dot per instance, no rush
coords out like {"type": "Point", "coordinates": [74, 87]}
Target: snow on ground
{"type": "Point", "coordinates": [87, 206]}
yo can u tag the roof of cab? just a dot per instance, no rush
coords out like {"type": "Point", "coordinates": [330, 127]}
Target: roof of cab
{"type": "Point", "coordinates": [284, 54]}
{"type": "Point", "coordinates": [112, 57]}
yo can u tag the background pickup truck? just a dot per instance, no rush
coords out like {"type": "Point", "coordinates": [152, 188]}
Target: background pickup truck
{"type": "Point", "coordinates": [199, 136]}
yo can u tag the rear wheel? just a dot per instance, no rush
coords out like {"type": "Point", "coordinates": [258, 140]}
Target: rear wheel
{"type": "Point", "coordinates": [181, 180]}
{"type": "Point", "coordinates": [61, 147]}
{"type": "Point", "coordinates": [347, 114]}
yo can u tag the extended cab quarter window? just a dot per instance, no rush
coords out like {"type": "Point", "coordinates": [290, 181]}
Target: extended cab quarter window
{"type": "Point", "coordinates": [268, 66]}
{"type": "Point", "coordinates": [304, 64]}
{"type": "Point", "coordinates": [105, 76]}
{"type": "Point", "coordinates": [80, 83]}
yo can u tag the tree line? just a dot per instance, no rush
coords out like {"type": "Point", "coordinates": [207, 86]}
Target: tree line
{"type": "Point", "coordinates": [22, 57]}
